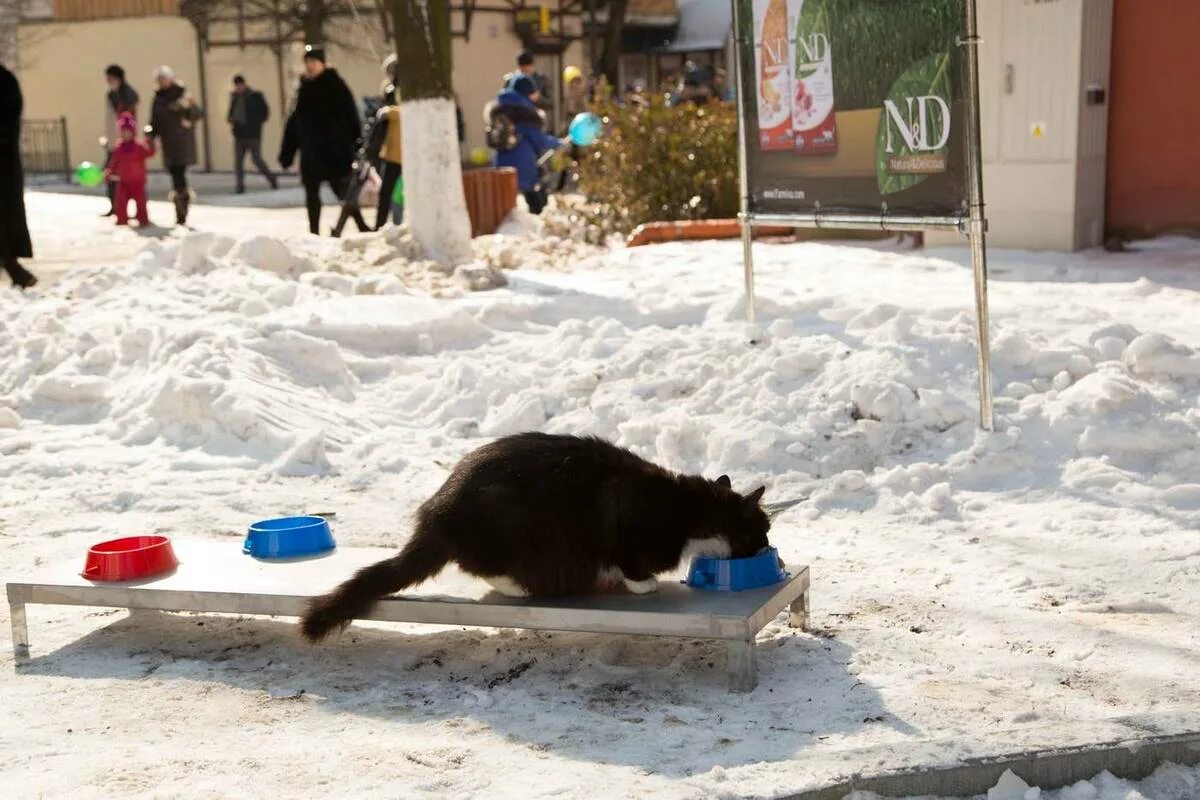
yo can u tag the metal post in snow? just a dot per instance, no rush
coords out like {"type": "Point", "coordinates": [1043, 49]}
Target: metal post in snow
{"type": "Point", "coordinates": [66, 147]}
{"type": "Point", "coordinates": [976, 222]}
{"type": "Point", "coordinates": [744, 216]}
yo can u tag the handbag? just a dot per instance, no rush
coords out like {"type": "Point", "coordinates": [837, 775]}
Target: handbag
{"type": "Point", "coordinates": [368, 193]}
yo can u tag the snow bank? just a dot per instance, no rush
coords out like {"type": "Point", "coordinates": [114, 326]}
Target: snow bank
{"type": "Point", "coordinates": [973, 592]}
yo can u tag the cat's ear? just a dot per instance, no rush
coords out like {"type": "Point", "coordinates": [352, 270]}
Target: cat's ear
{"type": "Point", "coordinates": [754, 497]}
{"type": "Point", "coordinates": [724, 481]}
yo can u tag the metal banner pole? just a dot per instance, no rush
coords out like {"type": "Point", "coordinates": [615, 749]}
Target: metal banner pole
{"type": "Point", "coordinates": [976, 223]}
{"type": "Point", "coordinates": [743, 169]}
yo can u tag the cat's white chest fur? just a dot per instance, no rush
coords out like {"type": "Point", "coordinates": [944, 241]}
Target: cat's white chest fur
{"type": "Point", "coordinates": [713, 547]}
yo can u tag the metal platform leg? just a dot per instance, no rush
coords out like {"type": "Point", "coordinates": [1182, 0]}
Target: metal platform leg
{"type": "Point", "coordinates": [20, 631]}
{"type": "Point", "coordinates": [798, 612]}
{"type": "Point", "coordinates": [743, 670]}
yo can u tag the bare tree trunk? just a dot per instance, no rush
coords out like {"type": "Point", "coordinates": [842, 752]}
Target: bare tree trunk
{"type": "Point", "coordinates": [611, 58]}
{"type": "Point", "coordinates": [423, 48]}
{"type": "Point", "coordinates": [10, 19]}
{"type": "Point", "coordinates": [434, 203]}
{"type": "Point", "coordinates": [314, 24]}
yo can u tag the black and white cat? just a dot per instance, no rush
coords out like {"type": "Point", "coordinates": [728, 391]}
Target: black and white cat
{"type": "Point", "coordinates": [544, 515]}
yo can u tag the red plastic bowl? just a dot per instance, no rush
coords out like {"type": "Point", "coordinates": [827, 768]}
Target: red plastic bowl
{"type": "Point", "coordinates": [129, 559]}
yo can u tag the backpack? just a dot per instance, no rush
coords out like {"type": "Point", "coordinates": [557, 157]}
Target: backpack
{"type": "Point", "coordinates": [502, 133]}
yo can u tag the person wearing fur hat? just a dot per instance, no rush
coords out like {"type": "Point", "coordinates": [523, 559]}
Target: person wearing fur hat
{"type": "Point", "coordinates": [127, 171]}
{"type": "Point", "coordinates": [173, 118]}
{"type": "Point", "coordinates": [324, 128]}
{"type": "Point", "coordinates": [516, 130]}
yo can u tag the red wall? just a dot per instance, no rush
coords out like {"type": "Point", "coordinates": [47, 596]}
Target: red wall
{"type": "Point", "coordinates": [1154, 118]}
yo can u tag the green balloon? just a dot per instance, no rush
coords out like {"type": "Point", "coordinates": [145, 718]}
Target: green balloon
{"type": "Point", "coordinates": [89, 174]}
{"type": "Point", "coordinates": [398, 192]}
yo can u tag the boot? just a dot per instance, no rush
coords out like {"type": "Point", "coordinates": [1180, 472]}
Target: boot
{"type": "Point", "coordinates": [182, 201]}
{"type": "Point", "coordinates": [21, 277]}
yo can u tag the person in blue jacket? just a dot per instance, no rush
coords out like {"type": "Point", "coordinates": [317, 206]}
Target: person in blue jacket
{"type": "Point", "coordinates": [516, 130]}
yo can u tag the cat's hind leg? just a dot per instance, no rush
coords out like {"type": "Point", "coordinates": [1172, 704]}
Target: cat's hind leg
{"type": "Point", "coordinates": [506, 585]}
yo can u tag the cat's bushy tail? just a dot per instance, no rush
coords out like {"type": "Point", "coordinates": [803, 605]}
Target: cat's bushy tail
{"type": "Point", "coordinates": [421, 558]}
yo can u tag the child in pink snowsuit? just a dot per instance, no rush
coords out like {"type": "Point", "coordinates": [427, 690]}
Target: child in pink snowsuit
{"type": "Point", "coordinates": [127, 168]}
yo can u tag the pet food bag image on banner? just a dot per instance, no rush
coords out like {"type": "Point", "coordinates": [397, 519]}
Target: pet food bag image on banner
{"type": "Point", "coordinates": [854, 107]}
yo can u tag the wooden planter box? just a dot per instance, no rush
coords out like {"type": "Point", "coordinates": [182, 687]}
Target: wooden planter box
{"type": "Point", "coordinates": [491, 194]}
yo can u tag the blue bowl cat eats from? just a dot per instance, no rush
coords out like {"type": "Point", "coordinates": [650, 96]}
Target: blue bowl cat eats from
{"type": "Point", "coordinates": [736, 574]}
{"type": "Point", "coordinates": [288, 537]}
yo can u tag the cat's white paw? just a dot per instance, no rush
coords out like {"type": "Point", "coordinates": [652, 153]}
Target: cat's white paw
{"type": "Point", "coordinates": [507, 586]}
{"type": "Point", "coordinates": [642, 587]}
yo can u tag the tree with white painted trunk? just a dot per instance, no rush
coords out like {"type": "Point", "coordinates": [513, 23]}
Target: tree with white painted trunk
{"type": "Point", "coordinates": [435, 207]}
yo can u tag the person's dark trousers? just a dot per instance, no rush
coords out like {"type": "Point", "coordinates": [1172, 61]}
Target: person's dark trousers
{"type": "Point", "coordinates": [179, 187]}
{"type": "Point", "coordinates": [312, 201]}
{"type": "Point", "coordinates": [254, 147]}
{"type": "Point", "coordinates": [536, 200]}
{"type": "Point", "coordinates": [391, 174]}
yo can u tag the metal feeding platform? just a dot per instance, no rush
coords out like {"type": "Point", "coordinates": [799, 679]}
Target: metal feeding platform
{"type": "Point", "coordinates": [215, 577]}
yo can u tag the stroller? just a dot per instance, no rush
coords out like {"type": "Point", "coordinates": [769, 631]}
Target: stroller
{"type": "Point", "coordinates": [362, 170]}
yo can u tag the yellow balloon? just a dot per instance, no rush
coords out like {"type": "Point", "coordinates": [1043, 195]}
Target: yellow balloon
{"type": "Point", "coordinates": [479, 156]}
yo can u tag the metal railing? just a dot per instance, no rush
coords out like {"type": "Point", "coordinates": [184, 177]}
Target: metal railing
{"type": "Point", "coordinates": [44, 147]}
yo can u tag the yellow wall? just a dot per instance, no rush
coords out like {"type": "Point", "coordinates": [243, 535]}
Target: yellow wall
{"type": "Point", "coordinates": [62, 69]}
{"type": "Point", "coordinates": [260, 69]}
{"type": "Point", "coordinates": [63, 73]}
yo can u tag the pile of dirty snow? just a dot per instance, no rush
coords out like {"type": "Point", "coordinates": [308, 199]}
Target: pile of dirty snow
{"type": "Point", "coordinates": [973, 592]}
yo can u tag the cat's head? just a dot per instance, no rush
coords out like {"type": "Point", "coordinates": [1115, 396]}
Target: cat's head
{"type": "Point", "coordinates": [743, 522]}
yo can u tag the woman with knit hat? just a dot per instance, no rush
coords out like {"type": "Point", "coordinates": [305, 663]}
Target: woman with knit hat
{"type": "Point", "coordinates": [173, 118]}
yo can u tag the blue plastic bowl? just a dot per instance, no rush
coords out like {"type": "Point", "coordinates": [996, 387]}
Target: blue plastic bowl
{"type": "Point", "coordinates": [288, 537]}
{"type": "Point", "coordinates": [736, 574]}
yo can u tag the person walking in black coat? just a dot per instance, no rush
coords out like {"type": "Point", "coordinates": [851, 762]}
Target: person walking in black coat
{"type": "Point", "coordinates": [14, 230]}
{"type": "Point", "coordinates": [173, 122]}
{"type": "Point", "coordinates": [120, 99]}
{"type": "Point", "coordinates": [324, 127]}
{"type": "Point", "coordinates": [248, 111]}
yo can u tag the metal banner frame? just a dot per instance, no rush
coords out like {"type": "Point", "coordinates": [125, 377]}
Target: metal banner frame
{"type": "Point", "coordinates": [973, 223]}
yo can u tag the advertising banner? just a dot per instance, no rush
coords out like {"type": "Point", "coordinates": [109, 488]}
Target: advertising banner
{"type": "Point", "coordinates": [854, 107]}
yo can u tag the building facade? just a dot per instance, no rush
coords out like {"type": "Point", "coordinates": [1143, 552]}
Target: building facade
{"type": "Point", "coordinates": [66, 45]}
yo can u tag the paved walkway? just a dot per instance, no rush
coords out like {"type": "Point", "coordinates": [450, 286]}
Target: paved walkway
{"type": "Point", "coordinates": [68, 231]}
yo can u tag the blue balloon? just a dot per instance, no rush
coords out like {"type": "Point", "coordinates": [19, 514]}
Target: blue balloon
{"type": "Point", "coordinates": [585, 129]}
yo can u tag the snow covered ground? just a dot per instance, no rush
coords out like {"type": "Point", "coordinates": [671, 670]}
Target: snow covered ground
{"type": "Point", "coordinates": [973, 593]}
